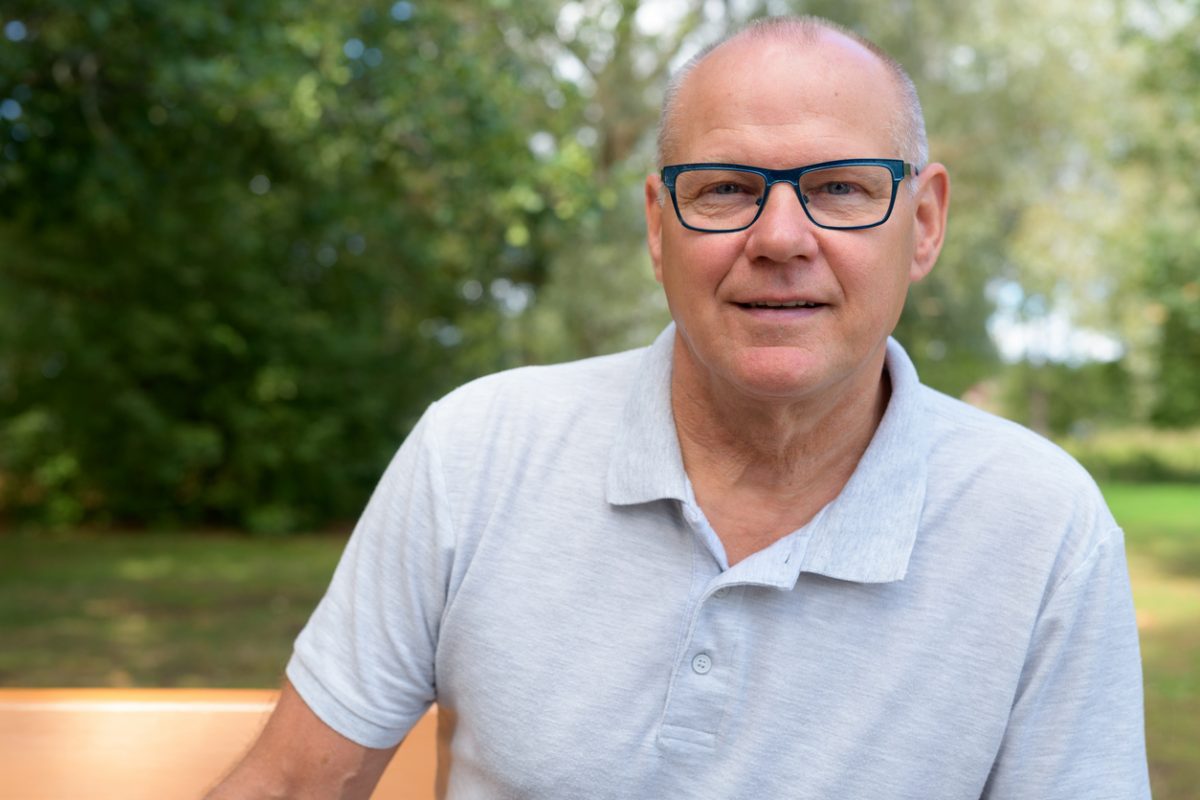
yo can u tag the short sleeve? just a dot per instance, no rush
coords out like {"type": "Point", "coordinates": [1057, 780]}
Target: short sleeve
{"type": "Point", "coordinates": [364, 663]}
{"type": "Point", "coordinates": [1077, 727]}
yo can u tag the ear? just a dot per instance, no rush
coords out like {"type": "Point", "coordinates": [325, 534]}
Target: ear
{"type": "Point", "coordinates": [929, 219]}
{"type": "Point", "coordinates": [654, 211]}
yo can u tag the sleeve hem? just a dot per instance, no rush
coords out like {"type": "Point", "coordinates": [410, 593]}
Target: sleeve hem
{"type": "Point", "coordinates": [337, 715]}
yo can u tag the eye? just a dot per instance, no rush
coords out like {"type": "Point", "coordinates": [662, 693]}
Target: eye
{"type": "Point", "coordinates": [728, 188]}
{"type": "Point", "coordinates": [839, 188]}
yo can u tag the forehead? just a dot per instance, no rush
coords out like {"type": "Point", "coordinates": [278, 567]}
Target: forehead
{"type": "Point", "coordinates": [779, 103]}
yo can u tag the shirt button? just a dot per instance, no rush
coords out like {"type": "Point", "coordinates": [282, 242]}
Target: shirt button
{"type": "Point", "coordinates": [701, 664]}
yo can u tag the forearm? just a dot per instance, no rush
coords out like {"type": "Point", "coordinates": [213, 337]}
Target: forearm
{"type": "Point", "coordinates": [257, 780]}
{"type": "Point", "coordinates": [298, 756]}
{"type": "Point", "coordinates": [250, 779]}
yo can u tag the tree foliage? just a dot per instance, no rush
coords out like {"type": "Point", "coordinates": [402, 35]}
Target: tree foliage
{"type": "Point", "coordinates": [246, 243]}
{"type": "Point", "coordinates": [1167, 157]}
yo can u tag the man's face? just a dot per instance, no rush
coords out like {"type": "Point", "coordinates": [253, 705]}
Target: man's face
{"type": "Point", "coordinates": [774, 105]}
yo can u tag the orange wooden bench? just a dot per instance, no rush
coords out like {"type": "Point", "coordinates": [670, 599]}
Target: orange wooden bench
{"type": "Point", "coordinates": [160, 744]}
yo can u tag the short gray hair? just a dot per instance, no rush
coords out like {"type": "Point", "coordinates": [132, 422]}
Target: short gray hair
{"type": "Point", "coordinates": [908, 132]}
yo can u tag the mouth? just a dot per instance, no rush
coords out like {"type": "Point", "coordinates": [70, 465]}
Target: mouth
{"type": "Point", "coordinates": [786, 305]}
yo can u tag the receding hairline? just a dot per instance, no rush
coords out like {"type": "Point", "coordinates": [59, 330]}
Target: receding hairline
{"type": "Point", "coordinates": [908, 126]}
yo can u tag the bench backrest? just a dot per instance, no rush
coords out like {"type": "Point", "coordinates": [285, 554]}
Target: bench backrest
{"type": "Point", "coordinates": [160, 744]}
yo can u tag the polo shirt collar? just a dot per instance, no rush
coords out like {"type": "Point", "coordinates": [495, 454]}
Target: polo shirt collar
{"type": "Point", "coordinates": [646, 463]}
{"type": "Point", "coordinates": [866, 534]}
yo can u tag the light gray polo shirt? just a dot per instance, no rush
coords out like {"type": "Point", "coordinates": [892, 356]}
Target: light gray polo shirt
{"type": "Point", "coordinates": [957, 623]}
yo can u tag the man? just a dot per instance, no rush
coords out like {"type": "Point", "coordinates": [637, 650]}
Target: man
{"type": "Point", "coordinates": [757, 559]}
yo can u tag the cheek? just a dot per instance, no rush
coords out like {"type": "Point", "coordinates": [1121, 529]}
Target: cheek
{"type": "Point", "coordinates": [698, 263]}
{"type": "Point", "coordinates": [885, 289]}
{"type": "Point", "coordinates": [872, 290]}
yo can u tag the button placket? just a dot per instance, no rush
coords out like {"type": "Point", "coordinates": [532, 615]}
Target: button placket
{"type": "Point", "coordinates": [705, 673]}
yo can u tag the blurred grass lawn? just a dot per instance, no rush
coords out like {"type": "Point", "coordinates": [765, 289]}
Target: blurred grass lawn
{"type": "Point", "coordinates": [222, 610]}
{"type": "Point", "coordinates": [1162, 538]}
{"type": "Point", "coordinates": [156, 609]}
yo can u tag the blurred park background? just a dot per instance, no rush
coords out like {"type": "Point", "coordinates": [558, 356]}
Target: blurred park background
{"type": "Point", "coordinates": [243, 245]}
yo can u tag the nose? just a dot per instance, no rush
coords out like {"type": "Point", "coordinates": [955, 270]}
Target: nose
{"type": "Point", "coordinates": [783, 230]}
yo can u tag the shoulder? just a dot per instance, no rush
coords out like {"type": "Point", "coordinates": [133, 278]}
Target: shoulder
{"type": "Point", "coordinates": [565, 413]}
{"type": "Point", "coordinates": [1012, 486]}
{"type": "Point", "coordinates": [963, 434]}
{"type": "Point", "coordinates": [541, 393]}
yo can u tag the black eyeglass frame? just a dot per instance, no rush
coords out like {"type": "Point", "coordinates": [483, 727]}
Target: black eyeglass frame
{"type": "Point", "coordinates": [899, 169]}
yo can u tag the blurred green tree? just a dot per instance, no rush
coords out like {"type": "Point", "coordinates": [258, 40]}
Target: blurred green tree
{"type": "Point", "coordinates": [1168, 158]}
{"type": "Point", "coordinates": [244, 244]}
{"type": "Point", "coordinates": [1060, 399]}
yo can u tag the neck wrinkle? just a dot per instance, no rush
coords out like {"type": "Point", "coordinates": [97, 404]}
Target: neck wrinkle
{"type": "Point", "coordinates": [729, 440]}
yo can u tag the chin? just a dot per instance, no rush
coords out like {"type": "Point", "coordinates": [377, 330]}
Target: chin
{"type": "Point", "coordinates": [778, 378]}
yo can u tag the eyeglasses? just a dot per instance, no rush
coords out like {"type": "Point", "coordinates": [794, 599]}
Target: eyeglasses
{"type": "Point", "coordinates": [846, 195]}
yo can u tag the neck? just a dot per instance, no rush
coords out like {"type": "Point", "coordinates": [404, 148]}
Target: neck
{"type": "Point", "coordinates": [800, 449]}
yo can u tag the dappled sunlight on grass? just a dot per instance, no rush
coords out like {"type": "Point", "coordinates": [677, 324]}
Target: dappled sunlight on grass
{"type": "Point", "coordinates": [1163, 598]}
{"type": "Point", "coordinates": [144, 569]}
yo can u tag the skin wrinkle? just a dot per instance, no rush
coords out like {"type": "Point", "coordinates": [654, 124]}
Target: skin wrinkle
{"type": "Point", "coordinates": [771, 462]}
